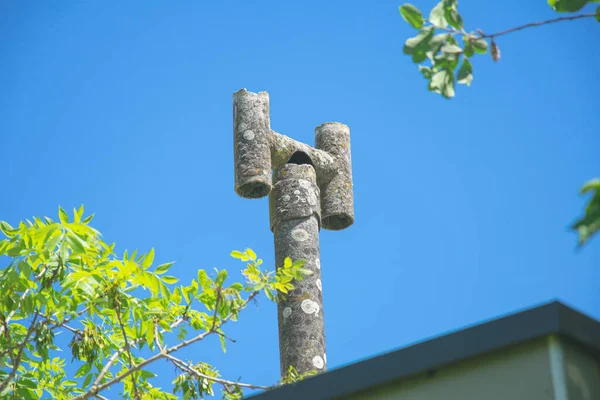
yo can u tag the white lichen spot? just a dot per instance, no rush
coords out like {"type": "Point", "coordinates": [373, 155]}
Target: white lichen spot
{"type": "Point", "coordinates": [310, 307]}
{"type": "Point", "coordinates": [299, 235]}
{"type": "Point", "coordinates": [318, 362]}
{"type": "Point", "coordinates": [304, 183]}
{"type": "Point", "coordinates": [242, 126]}
{"type": "Point", "coordinates": [296, 192]}
{"type": "Point", "coordinates": [286, 197]}
{"type": "Point", "coordinates": [248, 135]}
{"type": "Point", "coordinates": [318, 263]}
{"type": "Point", "coordinates": [287, 312]}
{"type": "Point", "coordinates": [312, 199]}
{"type": "Point", "coordinates": [319, 285]}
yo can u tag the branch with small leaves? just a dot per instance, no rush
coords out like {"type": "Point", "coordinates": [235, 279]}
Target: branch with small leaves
{"type": "Point", "coordinates": [64, 273]}
{"type": "Point", "coordinates": [443, 52]}
{"type": "Point", "coordinates": [438, 55]}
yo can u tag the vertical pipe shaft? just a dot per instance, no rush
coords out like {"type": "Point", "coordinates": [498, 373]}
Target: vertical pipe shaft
{"type": "Point", "coordinates": [295, 221]}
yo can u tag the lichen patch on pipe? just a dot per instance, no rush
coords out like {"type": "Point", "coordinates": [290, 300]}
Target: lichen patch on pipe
{"type": "Point", "coordinates": [318, 362]}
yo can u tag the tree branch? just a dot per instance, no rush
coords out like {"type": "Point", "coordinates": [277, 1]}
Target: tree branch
{"type": "Point", "coordinates": [215, 316]}
{"type": "Point", "coordinates": [55, 326]}
{"type": "Point", "coordinates": [186, 368]}
{"type": "Point", "coordinates": [532, 24]}
{"type": "Point", "coordinates": [128, 349]}
{"type": "Point", "coordinates": [17, 359]}
{"type": "Point", "coordinates": [156, 338]}
{"type": "Point", "coordinates": [96, 388]}
{"type": "Point", "coordinates": [13, 312]}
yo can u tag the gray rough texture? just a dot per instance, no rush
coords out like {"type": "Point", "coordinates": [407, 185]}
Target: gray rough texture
{"type": "Point", "coordinates": [258, 150]}
{"type": "Point", "coordinates": [337, 199]}
{"type": "Point", "coordinates": [251, 144]}
{"type": "Point", "coordinates": [295, 224]}
{"type": "Point", "coordinates": [295, 194]}
{"type": "Point", "coordinates": [282, 148]}
{"type": "Point", "coordinates": [311, 188]}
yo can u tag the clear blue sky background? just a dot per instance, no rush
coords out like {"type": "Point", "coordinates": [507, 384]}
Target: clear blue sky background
{"type": "Point", "coordinates": [462, 206]}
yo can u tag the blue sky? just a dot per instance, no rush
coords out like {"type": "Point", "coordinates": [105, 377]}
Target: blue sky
{"type": "Point", "coordinates": [462, 206]}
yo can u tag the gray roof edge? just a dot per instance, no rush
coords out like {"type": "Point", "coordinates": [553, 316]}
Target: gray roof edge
{"type": "Point", "coordinates": [515, 328]}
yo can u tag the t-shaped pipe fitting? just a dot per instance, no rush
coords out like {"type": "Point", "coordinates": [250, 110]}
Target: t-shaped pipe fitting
{"type": "Point", "coordinates": [258, 150]}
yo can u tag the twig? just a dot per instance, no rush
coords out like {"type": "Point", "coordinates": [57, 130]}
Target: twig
{"type": "Point", "coordinates": [5, 330]}
{"type": "Point", "coordinates": [56, 326]}
{"type": "Point", "coordinates": [128, 349]}
{"type": "Point", "coordinates": [225, 336]}
{"type": "Point", "coordinates": [215, 316]}
{"type": "Point", "coordinates": [181, 365]}
{"type": "Point", "coordinates": [96, 388]}
{"type": "Point", "coordinates": [17, 359]}
{"type": "Point", "coordinates": [532, 24]}
{"type": "Point", "coordinates": [156, 338]}
{"type": "Point", "coordinates": [482, 35]}
{"type": "Point", "coordinates": [117, 353]}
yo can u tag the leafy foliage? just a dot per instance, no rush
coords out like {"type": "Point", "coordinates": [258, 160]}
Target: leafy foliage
{"type": "Point", "coordinates": [436, 48]}
{"type": "Point", "coordinates": [442, 43]}
{"type": "Point", "coordinates": [439, 55]}
{"type": "Point", "coordinates": [62, 278]}
{"type": "Point", "coordinates": [589, 224]}
{"type": "Point", "coordinates": [293, 376]}
{"type": "Point", "coordinates": [567, 5]}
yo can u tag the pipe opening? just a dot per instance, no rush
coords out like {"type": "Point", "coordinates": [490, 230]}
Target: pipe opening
{"type": "Point", "coordinates": [300, 158]}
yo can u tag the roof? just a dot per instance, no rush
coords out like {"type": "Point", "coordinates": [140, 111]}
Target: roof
{"type": "Point", "coordinates": [553, 318]}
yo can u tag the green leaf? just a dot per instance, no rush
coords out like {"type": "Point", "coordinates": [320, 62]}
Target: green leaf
{"type": "Point", "coordinates": [426, 71]}
{"type": "Point", "coordinates": [412, 15]}
{"type": "Point", "coordinates": [7, 229]}
{"type": "Point", "coordinates": [237, 254]}
{"type": "Point", "coordinates": [287, 262]}
{"type": "Point", "coordinates": [452, 48]}
{"type": "Point", "coordinates": [203, 279]}
{"type": "Point", "coordinates": [435, 44]}
{"type": "Point", "coordinates": [162, 268]}
{"type": "Point", "coordinates": [567, 5]}
{"type": "Point", "coordinates": [453, 18]}
{"type": "Point", "coordinates": [185, 294]}
{"type": "Point", "coordinates": [80, 211]}
{"type": "Point", "coordinates": [88, 380]}
{"type": "Point", "coordinates": [87, 219]}
{"type": "Point", "coordinates": [469, 50]}
{"type": "Point", "coordinates": [598, 13]}
{"type": "Point", "coordinates": [446, 61]}
{"type": "Point", "coordinates": [480, 45]}
{"type": "Point", "coordinates": [62, 215]}
{"type": "Point", "coordinates": [465, 73]}
{"type": "Point", "coordinates": [437, 16]}
{"type": "Point", "coordinates": [147, 374]}
{"type": "Point", "coordinates": [592, 184]}
{"type": "Point", "coordinates": [589, 224]}
{"type": "Point", "coordinates": [443, 82]}
{"type": "Point", "coordinates": [221, 276]}
{"type": "Point", "coordinates": [305, 271]}
{"type": "Point", "coordinates": [76, 243]}
{"type": "Point", "coordinates": [223, 343]}
{"type": "Point", "coordinates": [27, 383]}
{"type": "Point", "coordinates": [169, 279]}
{"type": "Point", "coordinates": [251, 254]}
{"type": "Point", "coordinates": [148, 259]}
{"type": "Point", "coordinates": [84, 369]}
{"type": "Point", "coordinates": [419, 42]}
